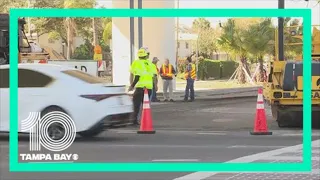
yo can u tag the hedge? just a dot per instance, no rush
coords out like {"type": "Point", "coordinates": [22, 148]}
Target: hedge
{"type": "Point", "coordinates": [216, 69]}
{"type": "Point", "coordinates": [208, 68]}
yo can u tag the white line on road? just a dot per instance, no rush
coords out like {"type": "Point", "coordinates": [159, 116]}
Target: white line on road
{"type": "Point", "coordinates": [289, 158]}
{"type": "Point", "coordinates": [125, 131]}
{"type": "Point", "coordinates": [7, 145]}
{"type": "Point", "coordinates": [175, 160]}
{"type": "Point", "coordinates": [53, 162]}
{"type": "Point", "coordinates": [208, 133]}
{"type": "Point", "coordinates": [181, 146]}
{"type": "Point", "coordinates": [160, 146]}
{"type": "Point", "coordinates": [251, 158]}
{"type": "Point", "coordinates": [292, 133]}
{"type": "Point", "coordinates": [248, 146]}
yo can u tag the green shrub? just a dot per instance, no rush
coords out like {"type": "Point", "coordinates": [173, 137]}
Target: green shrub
{"type": "Point", "coordinates": [228, 68]}
{"type": "Point", "coordinates": [216, 69]}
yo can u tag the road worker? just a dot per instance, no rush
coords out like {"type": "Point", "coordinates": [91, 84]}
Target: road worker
{"type": "Point", "coordinates": [148, 55]}
{"type": "Point", "coordinates": [167, 72]}
{"type": "Point", "coordinates": [154, 98]}
{"type": "Point", "coordinates": [143, 78]}
{"type": "Point", "coordinates": [190, 76]}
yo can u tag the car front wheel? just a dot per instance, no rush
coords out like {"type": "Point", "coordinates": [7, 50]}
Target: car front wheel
{"type": "Point", "coordinates": [56, 130]}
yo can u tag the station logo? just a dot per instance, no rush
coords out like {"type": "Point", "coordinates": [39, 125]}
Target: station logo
{"type": "Point", "coordinates": [55, 132]}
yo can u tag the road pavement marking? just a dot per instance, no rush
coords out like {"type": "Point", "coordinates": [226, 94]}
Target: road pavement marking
{"type": "Point", "coordinates": [130, 131]}
{"type": "Point", "coordinates": [300, 134]}
{"type": "Point", "coordinates": [289, 158]}
{"type": "Point", "coordinates": [126, 132]}
{"type": "Point", "coordinates": [248, 146]}
{"type": "Point", "coordinates": [7, 145]}
{"type": "Point", "coordinates": [52, 162]}
{"type": "Point", "coordinates": [160, 146]}
{"type": "Point", "coordinates": [208, 133]}
{"type": "Point", "coordinates": [250, 158]}
{"type": "Point", "coordinates": [175, 160]}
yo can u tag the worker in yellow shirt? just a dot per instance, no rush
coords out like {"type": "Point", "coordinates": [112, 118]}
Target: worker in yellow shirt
{"type": "Point", "coordinates": [143, 78]}
{"type": "Point", "coordinates": [154, 98]}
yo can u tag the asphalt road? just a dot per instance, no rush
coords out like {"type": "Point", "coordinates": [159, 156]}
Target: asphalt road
{"type": "Point", "coordinates": [235, 114]}
{"type": "Point", "coordinates": [204, 131]}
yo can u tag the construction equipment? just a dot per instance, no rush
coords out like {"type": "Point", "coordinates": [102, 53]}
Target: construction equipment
{"type": "Point", "coordinates": [283, 91]}
{"type": "Point", "coordinates": [25, 50]}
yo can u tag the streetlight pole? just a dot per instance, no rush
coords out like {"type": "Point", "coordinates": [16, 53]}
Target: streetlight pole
{"type": "Point", "coordinates": [29, 23]}
{"type": "Point", "coordinates": [177, 39]}
{"type": "Point", "coordinates": [280, 32]}
{"type": "Point", "coordinates": [197, 54]}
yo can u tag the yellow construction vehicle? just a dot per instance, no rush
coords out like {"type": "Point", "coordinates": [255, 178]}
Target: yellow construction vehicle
{"type": "Point", "coordinates": [283, 90]}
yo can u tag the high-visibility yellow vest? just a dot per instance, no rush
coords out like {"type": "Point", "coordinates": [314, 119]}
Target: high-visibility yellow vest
{"type": "Point", "coordinates": [144, 69]}
{"type": "Point", "coordinates": [155, 69]}
{"type": "Point", "coordinates": [167, 71]}
{"type": "Point", "coordinates": [193, 74]}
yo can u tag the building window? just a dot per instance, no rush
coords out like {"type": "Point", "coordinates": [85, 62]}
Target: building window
{"type": "Point", "coordinates": [187, 45]}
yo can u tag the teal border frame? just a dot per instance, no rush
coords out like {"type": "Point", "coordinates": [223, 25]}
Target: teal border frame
{"type": "Point", "coordinates": [15, 166]}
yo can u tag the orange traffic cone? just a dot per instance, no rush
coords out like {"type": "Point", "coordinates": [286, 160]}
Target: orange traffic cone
{"type": "Point", "coordinates": [146, 126]}
{"type": "Point", "coordinates": [260, 124]}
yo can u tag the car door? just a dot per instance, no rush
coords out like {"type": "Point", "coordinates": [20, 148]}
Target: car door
{"type": "Point", "coordinates": [4, 100]}
{"type": "Point", "coordinates": [33, 92]}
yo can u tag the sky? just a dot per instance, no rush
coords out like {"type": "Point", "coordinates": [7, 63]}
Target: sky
{"type": "Point", "coordinates": [312, 4]}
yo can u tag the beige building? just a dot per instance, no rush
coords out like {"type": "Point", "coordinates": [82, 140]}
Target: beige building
{"type": "Point", "coordinates": [158, 36]}
{"type": "Point", "coordinates": [187, 44]}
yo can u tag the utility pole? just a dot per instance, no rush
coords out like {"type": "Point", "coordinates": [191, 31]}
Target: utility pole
{"type": "Point", "coordinates": [281, 32]}
{"type": "Point", "coordinates": [29, 22]}
{"type": "Point", "coordinates": [177, 39]}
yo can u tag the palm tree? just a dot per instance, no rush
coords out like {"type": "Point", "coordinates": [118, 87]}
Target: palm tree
{"type": "Point", "coordinates": [232, 39]}
{"type": "Point", "coordinates": [71, 23]}
{"type": "Point", "coordinates": [200, 24]}
{"type": "Point", "coordinates": [259, 42]}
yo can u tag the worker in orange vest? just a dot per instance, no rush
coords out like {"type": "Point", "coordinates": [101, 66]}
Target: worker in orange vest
{"type": "Point", "coordinates": [190, 76]}
{"type": "Point", "coordinates": [167, 72]}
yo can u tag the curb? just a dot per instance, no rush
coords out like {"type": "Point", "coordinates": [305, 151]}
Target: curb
{"type": "Point", "coordinates": [210, 94]}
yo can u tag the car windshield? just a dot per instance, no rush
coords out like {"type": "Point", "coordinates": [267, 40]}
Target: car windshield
{"type": "Point", "coordinates": [84, 76]}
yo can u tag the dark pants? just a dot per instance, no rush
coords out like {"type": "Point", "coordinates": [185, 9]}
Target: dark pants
{"type": "Point", "coordinates": [138, 100]}
{"type": "Point", "coordinates": [189, 89]}
{"type": "Point", "coordinates": [154, 94]}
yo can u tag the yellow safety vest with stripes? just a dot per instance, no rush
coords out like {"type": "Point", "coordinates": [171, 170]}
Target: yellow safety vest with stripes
{"type": "Point", "coordinates": [193, 74]}
{"type": "Point", "coordinates": [145, 70]}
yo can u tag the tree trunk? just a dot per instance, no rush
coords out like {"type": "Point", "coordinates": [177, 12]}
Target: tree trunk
{"type": "Point", "coordinates": [95, 36]}
{"type": "Point", "coordinates": [69, 51]}
{"type": "Point", "coordinates": [261, 70]}
{"type": "Point", "coordinates": [242, 74]}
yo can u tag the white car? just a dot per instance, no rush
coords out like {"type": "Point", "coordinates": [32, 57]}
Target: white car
{"type": "Point", "coordinates": [92, 105]}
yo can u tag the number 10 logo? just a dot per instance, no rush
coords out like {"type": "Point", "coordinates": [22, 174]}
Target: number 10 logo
{"type": "Point", "coordinates": [42, 131]}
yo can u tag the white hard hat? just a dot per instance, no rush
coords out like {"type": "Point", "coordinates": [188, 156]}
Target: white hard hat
{"type": "Point", "coordinates": [146, 49]}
